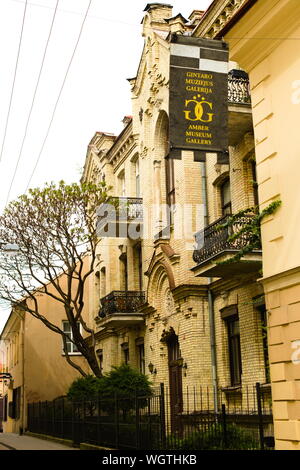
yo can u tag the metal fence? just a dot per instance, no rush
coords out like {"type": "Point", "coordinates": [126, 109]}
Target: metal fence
{"type": "Point", "coordinates": [200, 419]}
{"type": "Point", "coordinates": [232, 418]}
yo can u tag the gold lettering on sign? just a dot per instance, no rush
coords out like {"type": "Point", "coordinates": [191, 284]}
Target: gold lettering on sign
{"type": "Point", "coordinates": [200, 111]}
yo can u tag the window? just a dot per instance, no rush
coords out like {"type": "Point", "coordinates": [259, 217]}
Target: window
{"type": "Point", "coordinates": [124, 272]}
{"type": "Point", "coordinates": [16, 403]}
{"type": "Point", "coordinates": [230, 315]}
{"type": "Point", "coordinates": [141, 354]}
{"type": "Point", "coordinates": [102, 283]}
{"type": "Point", "coordinates": [234, 350]}
{"type": "Point", "coordinates": [226, 198]}
{"type": "Point", "coordinates": [122, 187]}
{"type": "Point", "coordinates": [71, 347]}
{"type": "Point", "coordinates": [99, 353]}
{"type": "Point", "coordinates": [125, 349]}
{"type": "Point", "coordinates": [254, 182]}
{"type": "Point", "coordinates": [170, 186]}
{"type": "Point", "coordinates": [137, 178]}
{"type": "Point", "coordinates": [138, 266]}
{"type": "Point", "coordinates": [5, 408]}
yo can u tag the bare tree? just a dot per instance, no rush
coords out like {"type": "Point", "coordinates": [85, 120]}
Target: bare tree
{"type": "Point", "coordinates": [48, 236]}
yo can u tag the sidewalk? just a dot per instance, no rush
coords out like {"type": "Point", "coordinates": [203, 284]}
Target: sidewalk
{"type": "Point", "coordinates": [16, 442]}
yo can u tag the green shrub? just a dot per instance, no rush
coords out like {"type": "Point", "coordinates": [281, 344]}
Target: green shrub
{"type": "Point", "coordinates": [122, 383]}
{"type": "Point", "coordinates": [84, 388]}
{"type": "Point", "coordinates": [125, 384]}
{"type": "Point", "coordinates": [213, 439]}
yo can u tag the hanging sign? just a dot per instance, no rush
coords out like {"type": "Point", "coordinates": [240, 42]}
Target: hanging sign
{"type": "Point", "coordinates": [198, 104]}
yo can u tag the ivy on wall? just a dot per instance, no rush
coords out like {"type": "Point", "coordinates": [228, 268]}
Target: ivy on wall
{"type": "Point", "coordinates": [251, 230]}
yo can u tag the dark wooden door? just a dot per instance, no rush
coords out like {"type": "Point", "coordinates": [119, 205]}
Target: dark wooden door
{"type": "Point", "coordinates": [175, 381]}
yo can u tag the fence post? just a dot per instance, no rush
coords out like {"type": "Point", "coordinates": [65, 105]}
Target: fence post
{"type": "Point", "coordinates": [116, 421]}
{"type": "Point", "coordinates": [40, 413]}
{"type": "Point", "coordinates": [53, 418]}
{"type": "Point", "coordinates": [99, 419]}
{"type": "Point", "coordinates": [224, 426]}
{"type": "Point", "coordinates": [162, 415]}
{"type": "Point", "coordinates": [72, 422]}
{"type": "Point", "coordinates": [260, 417]}
{"type": "Point", "coordinates": [62, 417]}
{"type": "Point", "coordinates": [137, 421]}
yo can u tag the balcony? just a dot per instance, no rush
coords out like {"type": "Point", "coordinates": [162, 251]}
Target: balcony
{"type": "Point", "coordinates": [121, 217]}
{"type": "Point", "coordinates": [121, 307]}
{"type": "Point", "coordinates": [213, 248]}
{"type": "Point", "coordinates": [239, 106]}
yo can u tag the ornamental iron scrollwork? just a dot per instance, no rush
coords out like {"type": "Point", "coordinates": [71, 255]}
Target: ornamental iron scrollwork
{"type": "Point", "coordinates": [121, 302]}
{"type": "Point", "coordinates": [213, 240]}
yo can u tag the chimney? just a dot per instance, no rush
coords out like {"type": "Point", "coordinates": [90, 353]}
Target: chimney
{"type": "Point", "coordinates": [177, 24]}
{"type": "Point", "coordinates": [156, 16]}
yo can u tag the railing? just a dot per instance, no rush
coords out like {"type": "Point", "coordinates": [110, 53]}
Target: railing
{"type": "Point", "coordinates": [121, 302]}
{"type": "Point", "coordinates": [238, 87]}
{"type": "Point", "coordinates": [148, 422]}
{"type": "Point", "coordinates": [121, 209]}
{"type": "Point", "coordinates": [213, 240]}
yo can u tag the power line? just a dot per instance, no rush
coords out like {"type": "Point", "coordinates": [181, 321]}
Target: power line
{"type": "Point", "coordinates": [109, 20]}
{"type": "Point", "coordinates": [33, 101]}
{"type": "Point", "coordinates": [59, 95]}
{"type": "Point", "coordinates": [14, 81]}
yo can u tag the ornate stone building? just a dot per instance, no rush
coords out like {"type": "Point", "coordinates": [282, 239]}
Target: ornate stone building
{"type": "Point", "coordinates": [161, 303]}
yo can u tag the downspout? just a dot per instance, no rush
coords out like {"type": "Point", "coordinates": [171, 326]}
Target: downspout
{"type": "Point", "coordinates": [211, 316]}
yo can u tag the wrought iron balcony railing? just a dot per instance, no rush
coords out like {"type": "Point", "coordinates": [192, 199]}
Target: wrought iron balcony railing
{"type": "Point", "coordinates": [121, 302]}
{"type": "Point", "coordinates": [124, 209]}
{"type": "Point", "coordinates": [238, 87]}
{"type": "Point", "coordinates": [213, 240]}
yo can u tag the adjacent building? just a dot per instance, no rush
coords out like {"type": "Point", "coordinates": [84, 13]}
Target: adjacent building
{"type": "Point", "coordinates": [263, 38]}
{"type": "Point", "coordinates": [34, 366]}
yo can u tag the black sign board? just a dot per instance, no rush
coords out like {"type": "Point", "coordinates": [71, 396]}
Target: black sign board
{"type": "Point", "coordinates": [198, 106]}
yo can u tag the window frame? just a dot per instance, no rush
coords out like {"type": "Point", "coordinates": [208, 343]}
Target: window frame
{"type": "Point", "coordinates": [225, 207]}
{"type": "Point", "coordinates": [230, 316]}
{"type": "Point", "coordinates": [170, 186]}
{"type": "Point", "coordinates": [234, 347]}
{"type": "Point", "coordinates": [125, 350]}
{"type": "Point", "coordinates": [72, 353]}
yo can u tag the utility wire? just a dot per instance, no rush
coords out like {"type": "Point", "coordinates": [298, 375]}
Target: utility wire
{"type": "Point", "coordinates": [109, 20]}
{"type": "Point", "coordinates": [59, 95]}
{"type": "Point", "coordinates": [33, 101]}
{"type": "Point", "coordinates": [14, 81]}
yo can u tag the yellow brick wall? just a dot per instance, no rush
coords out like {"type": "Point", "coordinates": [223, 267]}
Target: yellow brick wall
{"type": "Point", "coordinates": [187, 314]}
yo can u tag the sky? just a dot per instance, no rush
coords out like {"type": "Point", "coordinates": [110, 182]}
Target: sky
{"type": "Point", "coordinates": [74, 99]}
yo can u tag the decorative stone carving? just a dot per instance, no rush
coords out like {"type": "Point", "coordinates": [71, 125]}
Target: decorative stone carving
{"type": "Point", "coordinates": [169, 304]}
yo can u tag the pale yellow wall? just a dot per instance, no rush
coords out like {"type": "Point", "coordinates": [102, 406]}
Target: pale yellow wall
{"type": "Point", "coordinates": [272, 59]}
{"type": "Point", "coordinates": [34, 354]}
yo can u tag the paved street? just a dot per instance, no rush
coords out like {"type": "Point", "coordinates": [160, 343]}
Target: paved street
{"type": "Point", "coordinates": [3, 448]}
{"type": "Point", "coordinates": [11, 441]}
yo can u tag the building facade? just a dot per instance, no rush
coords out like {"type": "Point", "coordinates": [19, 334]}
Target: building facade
{"type": "Point", "coordinates": [34, 364]}
{"type": "Point", "coordinates": [166, 306]}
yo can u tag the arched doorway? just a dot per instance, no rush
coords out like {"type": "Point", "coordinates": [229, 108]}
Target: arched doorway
{"type": "Point", "coordinates": [175, 379]}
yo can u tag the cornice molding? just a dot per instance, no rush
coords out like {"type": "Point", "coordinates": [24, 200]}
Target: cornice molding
{"type": "Point", "coordinates": [218, 15]}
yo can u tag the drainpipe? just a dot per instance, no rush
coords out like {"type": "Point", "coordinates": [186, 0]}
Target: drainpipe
{"type": "Point", "coordinates": [211, 315]}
